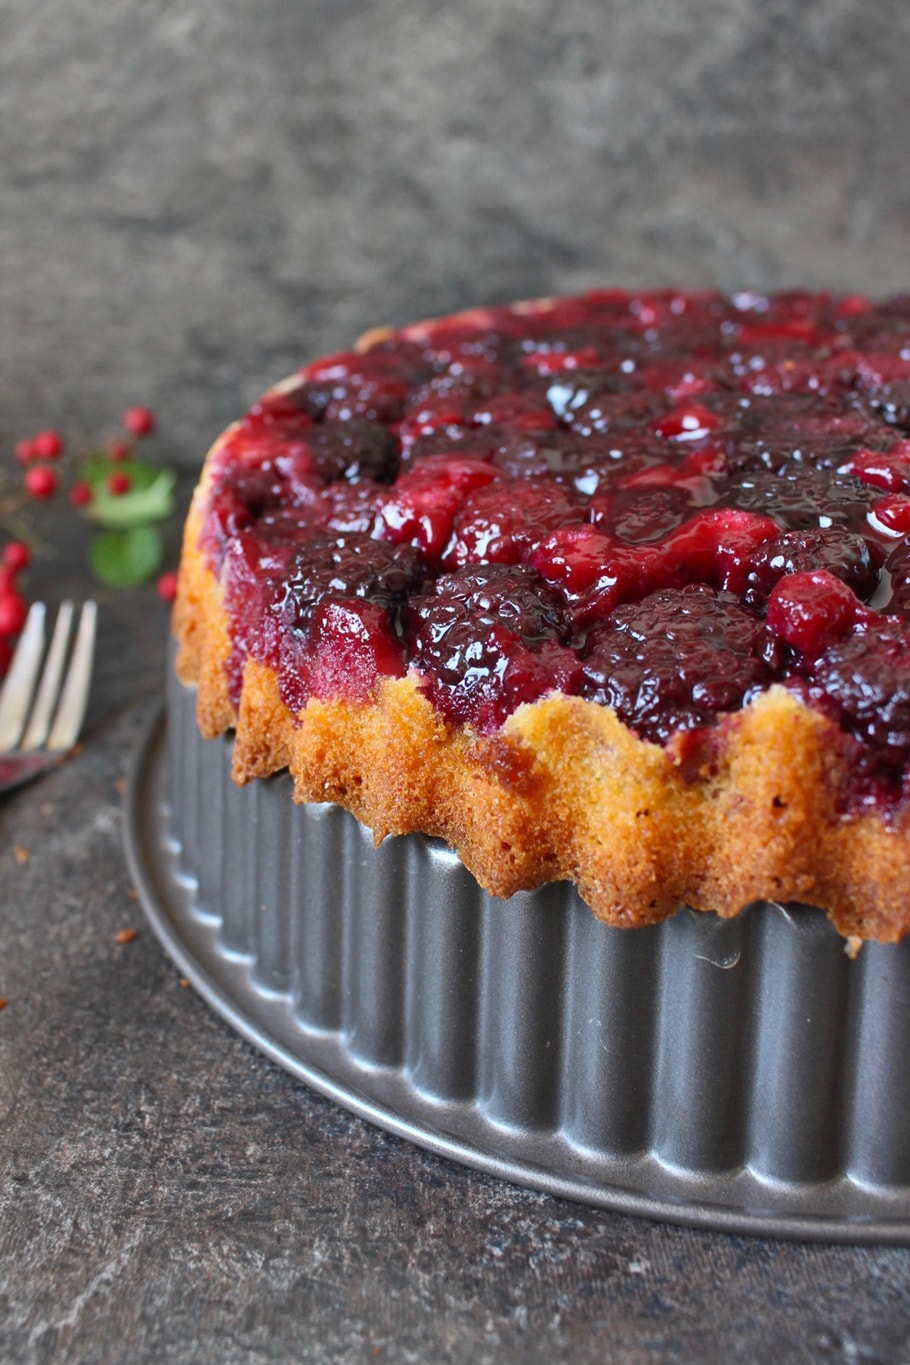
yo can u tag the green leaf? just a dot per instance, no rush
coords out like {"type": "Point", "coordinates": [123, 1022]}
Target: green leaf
{"type": "Point", "coordinates": [149, 499]}
{"type": "Point", "coordinates": [126, 559]}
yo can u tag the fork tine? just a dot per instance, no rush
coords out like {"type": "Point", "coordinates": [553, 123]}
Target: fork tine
{"type": "Point", "coordinates": [73, 699]}
{"type": "Point", "coordinates": [40, 720]}
{"type": "Point", "coordinates": [16, 696]}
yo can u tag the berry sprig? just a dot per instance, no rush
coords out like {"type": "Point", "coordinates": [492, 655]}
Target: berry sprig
{"type": "Point", "coordinates": [125, 495]}
{"type": "Point", "coordinates": [13, 606]}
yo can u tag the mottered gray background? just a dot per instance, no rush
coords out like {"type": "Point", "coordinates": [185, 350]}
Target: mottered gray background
{"type": "Point", "coordinates": [197, 196]}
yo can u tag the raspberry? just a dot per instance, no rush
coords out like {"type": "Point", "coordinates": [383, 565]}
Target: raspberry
{"type": "Point", "coordinates": [673, 661]}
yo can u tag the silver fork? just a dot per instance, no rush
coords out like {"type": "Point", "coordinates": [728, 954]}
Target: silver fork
{"type": "Point", "coordinates": [40, 720]}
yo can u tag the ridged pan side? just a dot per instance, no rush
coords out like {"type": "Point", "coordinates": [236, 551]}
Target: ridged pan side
{"type": "Point", "coordinates": [750, 1050]}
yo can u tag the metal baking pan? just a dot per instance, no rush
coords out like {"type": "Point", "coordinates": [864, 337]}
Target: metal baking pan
{"type": "Point", "coordinates": [743, 1075]}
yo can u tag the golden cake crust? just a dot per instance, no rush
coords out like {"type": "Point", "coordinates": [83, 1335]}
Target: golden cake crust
{"type": "Point", "coordinates": [566, 791]}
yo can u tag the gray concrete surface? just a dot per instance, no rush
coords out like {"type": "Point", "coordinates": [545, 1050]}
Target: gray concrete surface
{"type": "Point", "coordinates": [196, 196]}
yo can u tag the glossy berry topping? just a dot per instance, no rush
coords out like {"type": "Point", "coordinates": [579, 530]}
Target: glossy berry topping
{"type": "Point", "coordinates": [354, 566]}
{"type": "Point", "coordinates": [866, 679]}
{"type": "Point", "coordinates": [489, 639]}
{"type": "Point", "coordinates": [675, 660]}
{"type": "Point", "coordinates": [664, 502]}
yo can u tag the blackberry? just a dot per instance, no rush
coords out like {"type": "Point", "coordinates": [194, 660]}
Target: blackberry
{"type": "Point", "coordinates": [488, 639]}
{"type": "Point", "coordinates": [344, 567]}
{"type": "Point", "coordinates": [843, 553]}
{"type": "Point", "coordinates": [799, 497]}
{"type": "Point", "coordinates": [867, 678]}
{"type": "Point", "coordinates": [675, 660]}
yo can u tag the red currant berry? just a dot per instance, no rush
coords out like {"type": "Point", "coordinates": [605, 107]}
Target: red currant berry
{"type": "Point", "coordinates": [167, 586]}
{"type": "Point", "coordinates": [25, 451]}
{"type": "Point", "coordinates": [139, 421]}
{"type": "Point", "coordinates": [6, 657]}
{"type": "Point", "coordinates": [118, 450]}
{"type": "Point", "coordinates": [13, 612]}
{"type": "Point", "coordinates": [119, 483]}
{"type": "Point", "coordinates": [40, 482]}
{"type": "Point", "coordinates": [48, 445]}
{"type": "Point", "coordinates": [80, 495]}
{"type": "Point", "coordinates": [16, 556]}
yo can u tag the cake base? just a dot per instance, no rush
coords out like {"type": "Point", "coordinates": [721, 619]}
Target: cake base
{"type": "Point", "coordinates": [740, 1075]}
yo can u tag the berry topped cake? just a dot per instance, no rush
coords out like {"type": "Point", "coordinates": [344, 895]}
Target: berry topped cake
{"type": "Point", "coordinates": [613, 589]}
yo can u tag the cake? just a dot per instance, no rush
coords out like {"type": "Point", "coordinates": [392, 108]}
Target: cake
{"type": "Point", "coordinates": [612, 589]}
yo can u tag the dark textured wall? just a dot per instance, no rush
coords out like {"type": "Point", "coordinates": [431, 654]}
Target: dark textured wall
{"type": "Point", "coordinates": [196, 196]}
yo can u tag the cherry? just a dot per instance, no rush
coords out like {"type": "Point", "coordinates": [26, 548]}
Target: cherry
{"type": "Point", "coordinates": [691, 423]}
{"type": "Point", "coordinates": [811, 610]}
{"type": "Point", "coordinates": [891, 515]}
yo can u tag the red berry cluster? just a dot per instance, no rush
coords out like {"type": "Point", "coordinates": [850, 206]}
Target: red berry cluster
{"type": "Point", "coordinates": [40, 455]}
{"type": "Point", "coordinates": [13, 607]}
